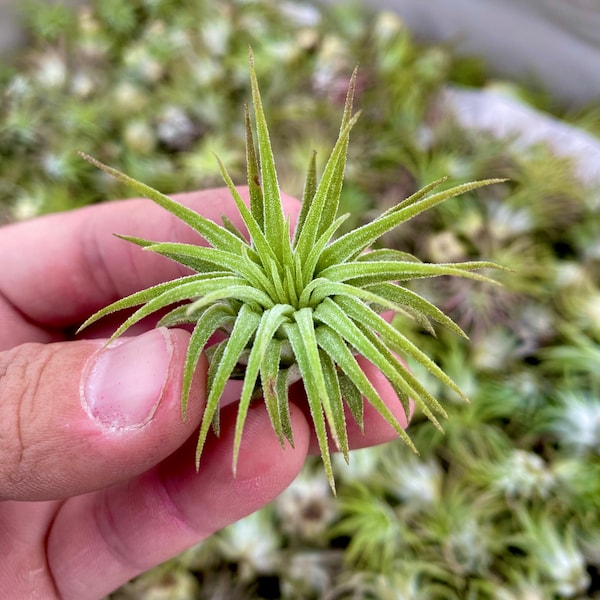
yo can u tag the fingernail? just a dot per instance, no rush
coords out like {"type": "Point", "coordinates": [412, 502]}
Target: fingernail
{"type": "Point", "coordinates": [123, 383]}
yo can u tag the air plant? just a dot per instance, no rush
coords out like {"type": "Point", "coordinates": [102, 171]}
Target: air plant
{"type": "Point", "coordinates": [555, 553]}
{"type": "Point", "coordinates": [297, 305]}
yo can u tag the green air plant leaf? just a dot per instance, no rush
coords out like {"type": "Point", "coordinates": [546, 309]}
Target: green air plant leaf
{"type": "Point", "coordinates": [297, 305]}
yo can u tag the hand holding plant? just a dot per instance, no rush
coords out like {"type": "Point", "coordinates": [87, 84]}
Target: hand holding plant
{"type": "Point", "coordinates": [98, 477]}
{"type": "Point", "coordinates": [143, 501]}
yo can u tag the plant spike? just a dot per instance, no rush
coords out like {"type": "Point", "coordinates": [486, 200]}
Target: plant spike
{"type": "Point", "coordinates": [297, 305]}
{"type": "Point", "coordinates": [330, 208]}
{"type": "Point", "coordinates": [253, 168]}
{"type": "Point", "coordinates": [310, 188]}
{"type": "Point", "coordinates": [272, 207]}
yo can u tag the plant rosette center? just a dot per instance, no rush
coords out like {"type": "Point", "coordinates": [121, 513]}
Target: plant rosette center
{"type": "Point", "coordinates": [297, 307]}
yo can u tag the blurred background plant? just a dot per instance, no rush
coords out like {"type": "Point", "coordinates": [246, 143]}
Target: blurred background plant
{"type": "Point", "coordinates": [506, 504]}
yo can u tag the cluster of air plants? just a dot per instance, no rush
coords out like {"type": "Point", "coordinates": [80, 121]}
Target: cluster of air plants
{"type": "Point", "coordinates": [503, 505]}
{"type": "Point", "coordinates": [110, 81]}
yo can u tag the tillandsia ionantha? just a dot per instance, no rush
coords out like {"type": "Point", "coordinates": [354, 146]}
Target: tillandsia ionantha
{"type": "Point", "coordinates": [296, 306]}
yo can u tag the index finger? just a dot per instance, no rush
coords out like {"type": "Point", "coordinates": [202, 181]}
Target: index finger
{"type": "Point", "coordinates": [58, 269]}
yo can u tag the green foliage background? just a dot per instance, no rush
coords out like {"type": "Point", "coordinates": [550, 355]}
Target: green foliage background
{"type": "Point", "coordinates": [506, 504]}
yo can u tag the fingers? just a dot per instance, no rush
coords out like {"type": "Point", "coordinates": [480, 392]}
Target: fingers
{"type": "Point", "coordinates": [59, 269]}
{"type": "Point", "coordinates": [101, 540]}
{"type": "Point", "coordinates": [76, 417]}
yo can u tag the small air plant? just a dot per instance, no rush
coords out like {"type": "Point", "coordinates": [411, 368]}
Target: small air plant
{"type": "Point", "coordinates": [296, 306]}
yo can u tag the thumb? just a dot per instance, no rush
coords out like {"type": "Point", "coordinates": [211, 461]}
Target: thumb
{"type": "Point", "coordinates": [79, 416]}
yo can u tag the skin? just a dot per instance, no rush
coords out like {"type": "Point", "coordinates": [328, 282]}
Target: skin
{"type": "Point", "coordinates": [85, 507]}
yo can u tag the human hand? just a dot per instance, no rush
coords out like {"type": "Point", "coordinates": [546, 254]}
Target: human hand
{"type": "Point", "coordinates": [97, 476]}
